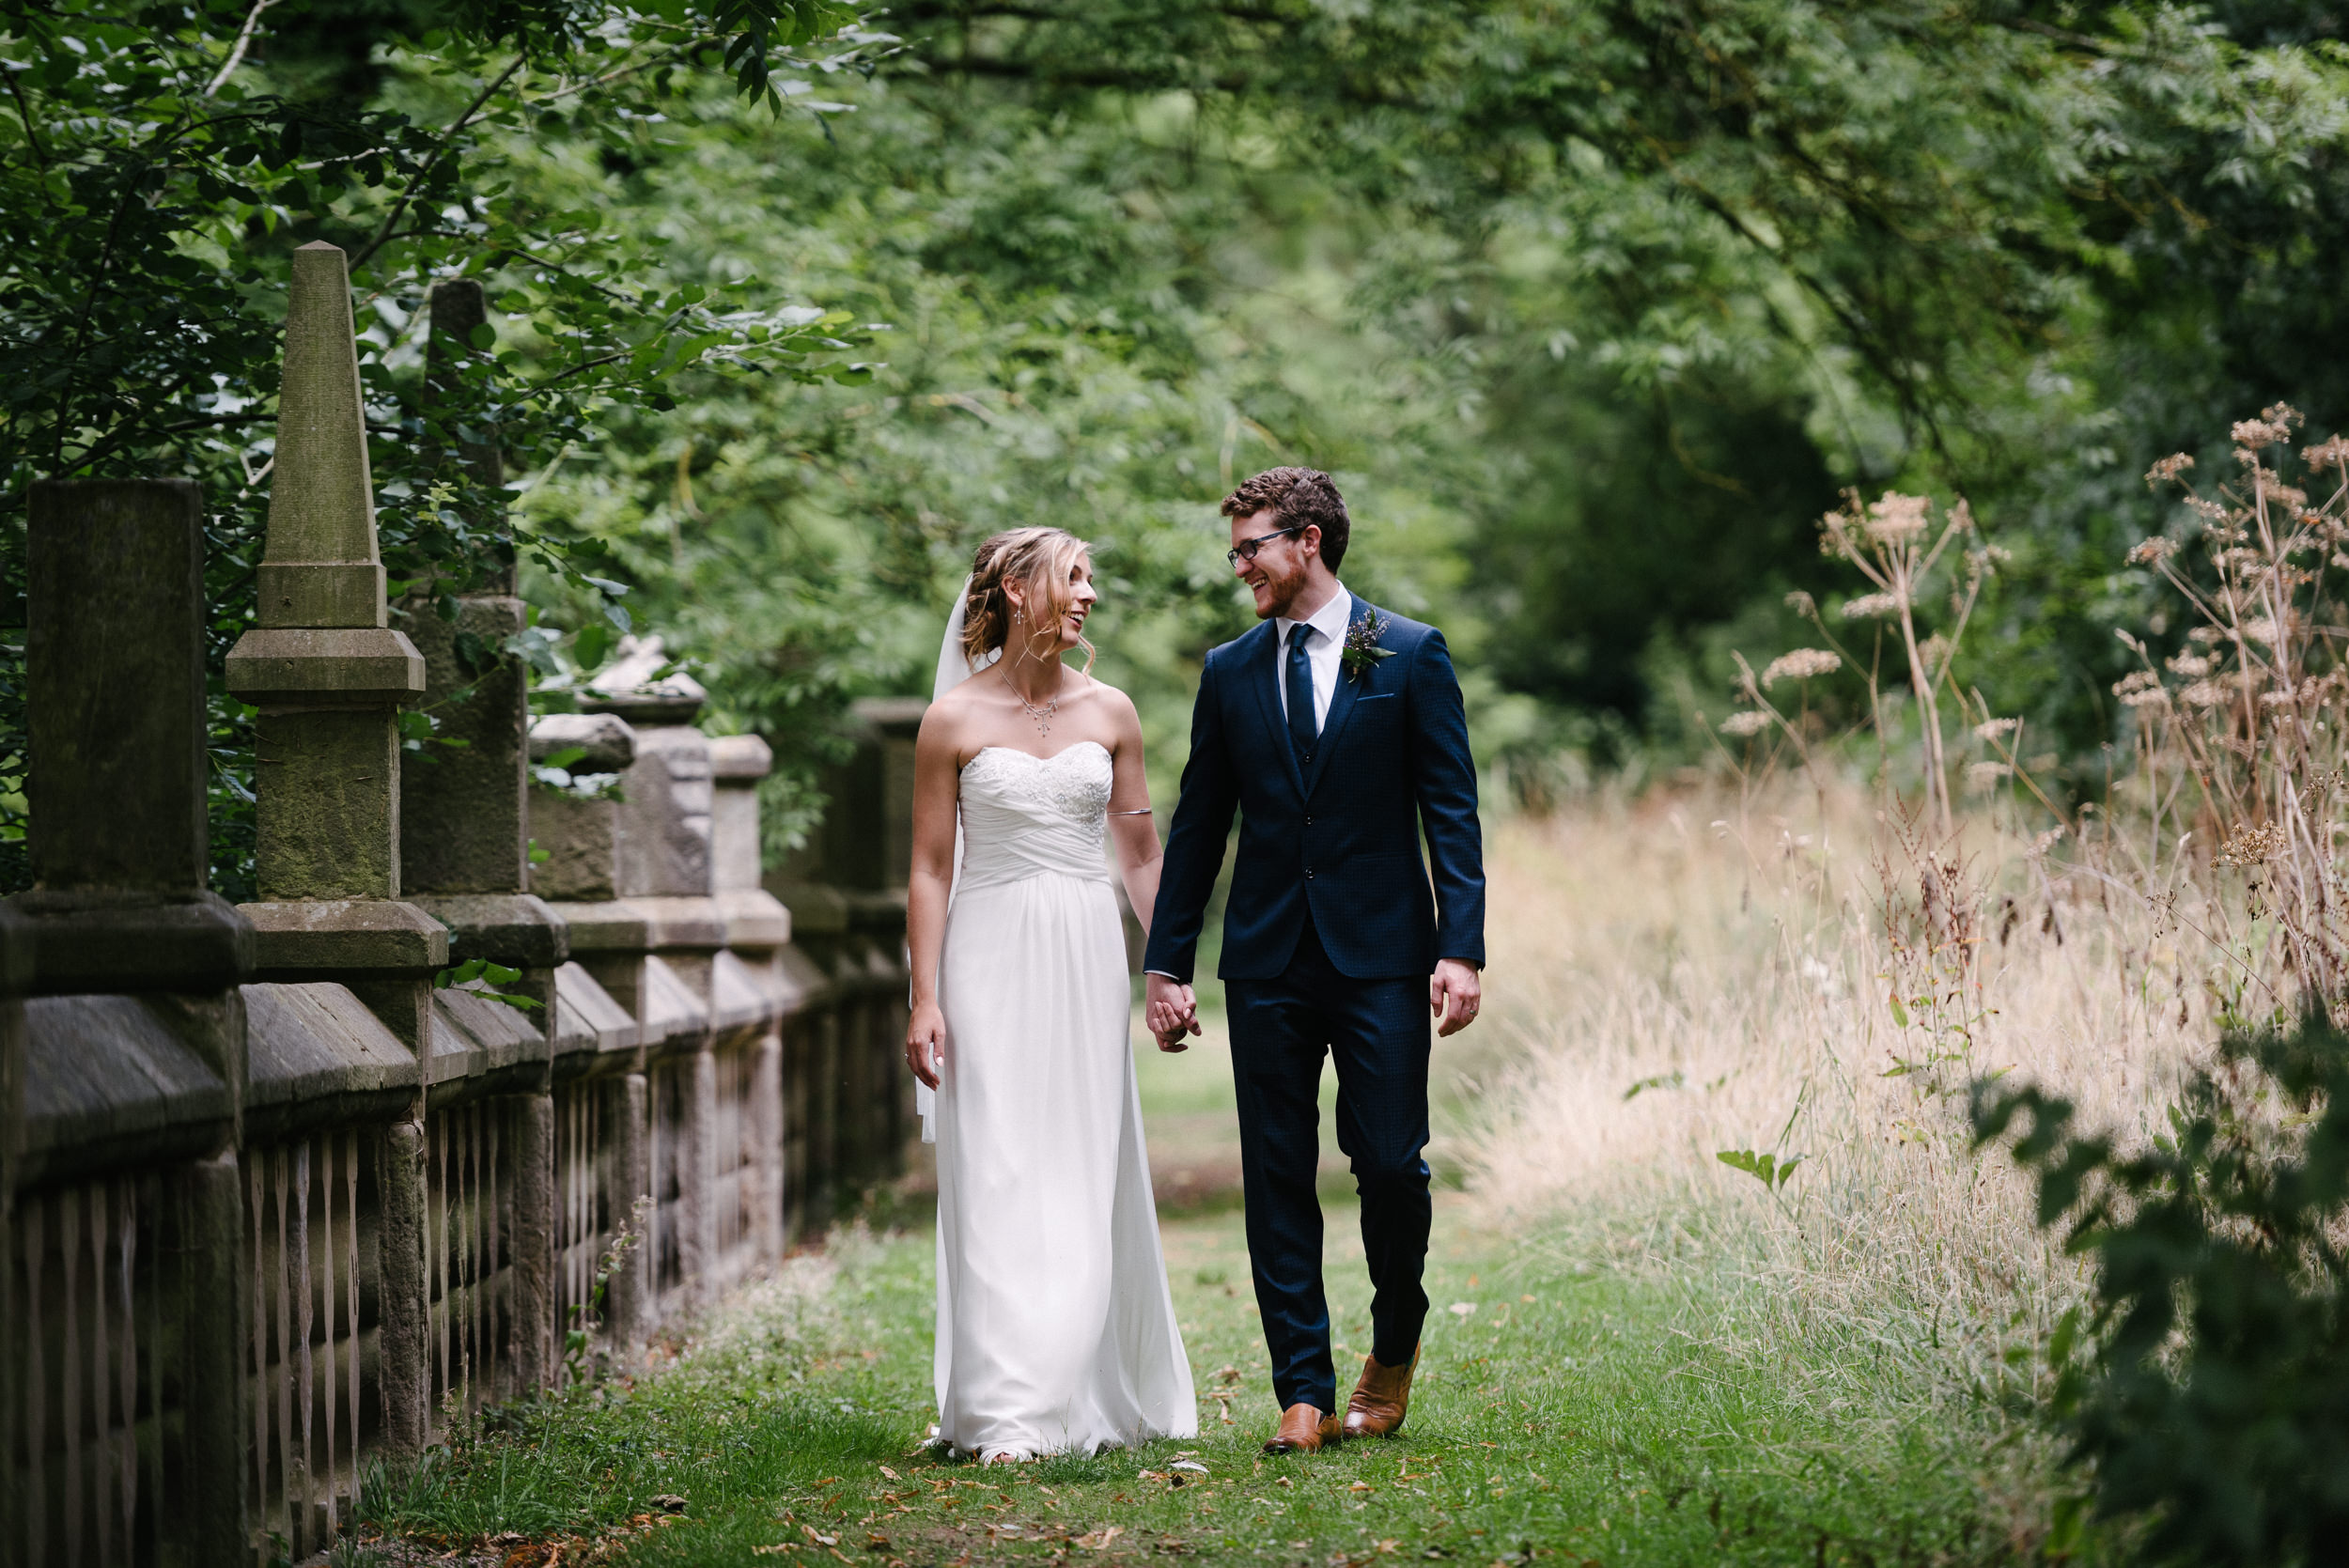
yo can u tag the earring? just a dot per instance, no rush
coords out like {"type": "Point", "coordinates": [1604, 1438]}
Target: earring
{"type": "Point", "coordinates": [1017, 615]}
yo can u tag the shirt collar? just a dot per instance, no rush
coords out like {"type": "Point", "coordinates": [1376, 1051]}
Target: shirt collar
{"type": "Point", "coordinates": [1330, 620]}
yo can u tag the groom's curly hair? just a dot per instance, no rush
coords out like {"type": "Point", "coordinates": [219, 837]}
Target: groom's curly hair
{"type": "Point", "coordinates": [1298, 496]}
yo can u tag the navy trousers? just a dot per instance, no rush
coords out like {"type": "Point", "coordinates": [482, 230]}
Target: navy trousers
{"type": "Point", "coordinates": [1378, 1032]}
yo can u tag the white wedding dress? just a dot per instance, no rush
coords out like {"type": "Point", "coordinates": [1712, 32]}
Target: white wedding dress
{"type": "Point", "coordinates": [1056, 1332]}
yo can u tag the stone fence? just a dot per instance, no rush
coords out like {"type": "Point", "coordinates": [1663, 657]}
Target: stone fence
{"type": "Point", "coordinates": [280, 1194]}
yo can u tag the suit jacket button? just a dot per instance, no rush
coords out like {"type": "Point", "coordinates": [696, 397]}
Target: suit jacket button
{"type": "Point", "coordinates": [1309, 819]}
{"type": "Point", "coordinates": [1309, 756]}
{"type": "Point", "coordinates": [1309, 873]}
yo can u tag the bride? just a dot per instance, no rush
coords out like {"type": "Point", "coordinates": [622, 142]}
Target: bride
{"type": "Point", "coordinates": [1055, 1329]}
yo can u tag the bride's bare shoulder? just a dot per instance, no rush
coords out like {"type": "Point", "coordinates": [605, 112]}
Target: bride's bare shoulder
{"type": "Point", "coordinates": [947, 716]}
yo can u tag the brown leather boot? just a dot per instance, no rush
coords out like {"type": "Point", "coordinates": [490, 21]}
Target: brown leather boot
{"type": "Point", "coordinates": [1303, 1430]}
{"type": "Point", "coordinates": [1377, 1407]}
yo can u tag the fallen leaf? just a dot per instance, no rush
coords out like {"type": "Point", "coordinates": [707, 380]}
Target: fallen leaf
{"type": "Point", "coordinates": [875, 1542]}
{"type": "Point", "coordinates": [1097, 1540]}
{"type": "Point", "coordinates": [1461, 1309]}
{"type": "Point", "coordinates": [670, 1501]}
{"type": "Point", "coordinates": [1151, 1475]}
{"type": "Point", "coordinates": [890, 1474]}
{"type": "Point", "coordinates": [821, 1540]}
{"type": "Point", "coordinates": [1359, 1486]}
{"type": "Point", "coordinates": [1188, 1465]}
{"type": "Point", "coordinates": [775, 1550]}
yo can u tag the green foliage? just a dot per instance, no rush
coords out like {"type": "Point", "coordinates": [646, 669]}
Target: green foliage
{"type": "Point", "coordinates": [1771, 1171]}
{"type": "Point", "coordinates": [2208, 1388]}
{"type": "Point", "coordinates": [159, 166]}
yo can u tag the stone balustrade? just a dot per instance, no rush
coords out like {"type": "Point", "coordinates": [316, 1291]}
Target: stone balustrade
{"type": "Point", "coordinates": [275, 1201]}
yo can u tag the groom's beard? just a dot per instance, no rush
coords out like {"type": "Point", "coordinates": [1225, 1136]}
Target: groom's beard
{"type": "Point", "coordinates": [1281, 595]}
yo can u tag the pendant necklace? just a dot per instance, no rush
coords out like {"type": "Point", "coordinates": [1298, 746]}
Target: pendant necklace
{"type": "Point", "coordinates": [1043, 714]}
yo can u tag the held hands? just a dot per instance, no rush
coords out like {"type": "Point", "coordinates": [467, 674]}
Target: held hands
{"type": "Point", "coordinates": [1454, 992]}
{"type": "Point", "coordinates": [1171, 1012]}
{"type": "Point", "coordinates": [925, 1043]}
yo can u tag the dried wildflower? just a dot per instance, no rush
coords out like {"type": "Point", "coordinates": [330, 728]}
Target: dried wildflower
{"type": "Point", "coordinates": [2259, 628]}
{"type": "Point", "coordinates": [2166, 470]}
{"type": "Point", "coordinates": [2140, 689]}
{"type": "Point", "coordinates": [2204, 693]}
{"type": "Point", "coordinates": [1746, 723]}
{"type": "Point", "coordinates": [2250, 845]}
{"type": "Point", "coordinates": [1868, 605]}
{"type": "Point", "coordinates": [2274, 699]}
{"type": "Point", "coordinates": [2333, 452]}
{"type": "Point", "coordinates": [1933, 651]}
{"type": "Point", "coordinates": [1985, 775]}
{"type": "Point", "coordinates": [1998, 728]}
{"type": "Point", "coordinates": [1802, 604]}
{"type": "Point", "coordinates": [1897, 519]}
{"type": "Point", "coordinates": [2210, 511]}
{"type": "Point", "coordinates": [2273, 425]}
{"type": "Point", "coordinates": [2046, 841]}
{"type": "Point", "coordinates": [2193, 666]}
{"type": "Point", "coordinates": [1801, 664]}
{"type": "Point", "coordinates": [2148, 552]}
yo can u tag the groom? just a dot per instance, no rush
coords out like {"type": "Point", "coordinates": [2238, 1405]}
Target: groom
{"type": "Point", "coordinates": [1335, 730]}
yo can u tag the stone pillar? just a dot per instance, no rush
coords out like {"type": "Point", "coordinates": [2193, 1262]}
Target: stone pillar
{"type": "Point", "coordinates": [758, 929]}
{"type": "Point", "coordinates": [468, 864]}
{"type": "Point", "coordinates": [113, 666]}
{"type": "Point", "coordinates": [138, 960]}
{"type": "Point", "coordinates": [328, 673]}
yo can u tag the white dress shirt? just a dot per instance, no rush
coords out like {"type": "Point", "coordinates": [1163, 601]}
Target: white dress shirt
{"type": "Point", "coordinates": [1323, 655]}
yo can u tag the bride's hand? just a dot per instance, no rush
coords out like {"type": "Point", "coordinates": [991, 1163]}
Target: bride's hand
{"type": "Point", "coordinates": [925, 1043]}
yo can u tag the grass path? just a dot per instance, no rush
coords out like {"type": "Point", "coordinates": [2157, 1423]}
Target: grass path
{"type": "Point", "coordinates": [1576, 1416]}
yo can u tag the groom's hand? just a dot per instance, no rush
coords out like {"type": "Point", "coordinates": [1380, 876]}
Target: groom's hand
{"type": "Point", "coordinates": [1454, 992]}
{"type": "Point", "coordinates": [1170, 1010]}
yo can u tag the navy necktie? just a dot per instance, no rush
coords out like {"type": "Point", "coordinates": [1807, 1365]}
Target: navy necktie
{"type": "Point", "coordinates": [1301, 689]}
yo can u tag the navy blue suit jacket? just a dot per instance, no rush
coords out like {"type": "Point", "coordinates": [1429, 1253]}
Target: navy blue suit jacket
{"type": "Point", "coordinates": [1340, 834]}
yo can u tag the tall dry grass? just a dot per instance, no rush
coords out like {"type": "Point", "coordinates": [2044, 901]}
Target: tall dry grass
{"type": "Point", "coordinates": [1792, 969]}
{"type": "Point", "coordinates": [1693, 973]}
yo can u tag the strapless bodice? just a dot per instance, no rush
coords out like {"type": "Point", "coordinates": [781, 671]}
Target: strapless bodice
{"type": "Point", "coordinates": [1025, 815]}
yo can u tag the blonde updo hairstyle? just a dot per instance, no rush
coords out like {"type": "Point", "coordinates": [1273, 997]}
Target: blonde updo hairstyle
{"type": "Point", "coordinates": [1037, 559]}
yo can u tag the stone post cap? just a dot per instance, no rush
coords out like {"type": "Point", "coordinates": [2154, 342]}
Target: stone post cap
{"type": "Point", "coordinates": [610, 744]}
{"type": "Point", "coordinates": [898, 718]}
{"type": "Point", "coordinates": [740, 759]}
{"type": "Point", "coordinates": [121, 943]}
{"type": "Point", "coordinates": [628, 688]}
{"type": "Point", "coordinates": [333, 937]}
{"type": "Point", "coordinates": [325, 667]}
{"type": "Point", "coordinates": [321, 567]}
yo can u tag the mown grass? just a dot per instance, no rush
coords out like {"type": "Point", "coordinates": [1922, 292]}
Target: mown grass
{"type": "Point", "coordinates": [1578, 1413]}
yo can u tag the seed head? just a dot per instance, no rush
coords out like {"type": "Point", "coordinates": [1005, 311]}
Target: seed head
{"type": "Point", "coordinates": [2329, 453]}
{"type": "Point", "coordinates": [1897, 519]}
{"type": "Point", "coordinates": [2148, 552]}
{"type": "Point", "coordinates": [1801, 664]}
{"type": "Point", "coordinates": [1869, 605]}
{"type": "Point", "coordinates": [2166, 470]}
{"type": "Point", "coordinates": [1746, 723]}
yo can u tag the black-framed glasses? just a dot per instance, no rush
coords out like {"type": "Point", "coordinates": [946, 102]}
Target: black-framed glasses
{"type": "Point", "coordinates": [1246, 550]}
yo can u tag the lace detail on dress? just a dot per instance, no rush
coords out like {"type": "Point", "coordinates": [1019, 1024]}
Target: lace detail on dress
{"type": "Point", "coordinates": [1023, 814]}
{"type": "Point", "coordinates": [1073, 783]}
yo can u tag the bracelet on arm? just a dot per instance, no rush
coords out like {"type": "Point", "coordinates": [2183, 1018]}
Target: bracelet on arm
{"type": "Point", "coordinates": [1143, 812]}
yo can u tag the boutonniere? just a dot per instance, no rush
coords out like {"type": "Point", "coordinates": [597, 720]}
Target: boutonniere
{"type": "Point", "coordinates": [1361, 652]}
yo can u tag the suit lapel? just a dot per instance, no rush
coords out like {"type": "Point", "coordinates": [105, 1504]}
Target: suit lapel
{"type": "Point", "coordinates": [1263, 674]}
{"type": "Point", "coordinates": [1340, 703]}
